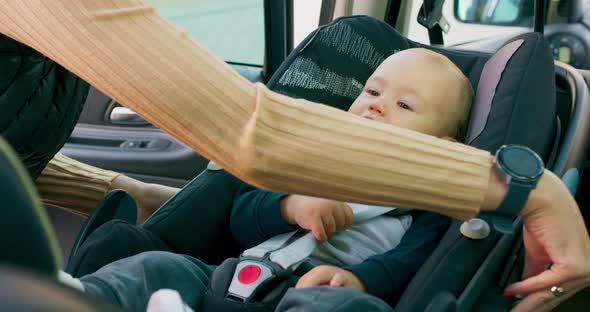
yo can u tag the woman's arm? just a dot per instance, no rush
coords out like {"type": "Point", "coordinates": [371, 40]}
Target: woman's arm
{"type": "Point", "coordinates": [128, 51]}
{"type": "Point", "coordinates": [68, 183]}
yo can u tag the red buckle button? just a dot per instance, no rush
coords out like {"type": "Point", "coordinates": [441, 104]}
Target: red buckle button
{"type": "Point", "coordinates": [249, 274]}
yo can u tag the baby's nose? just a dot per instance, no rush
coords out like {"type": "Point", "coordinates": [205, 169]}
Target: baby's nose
{"type": "Point", "coordinates": [377, 107]}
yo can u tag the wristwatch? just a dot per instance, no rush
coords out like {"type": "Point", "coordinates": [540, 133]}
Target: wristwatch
{"type": "Point", "coordinates": [520, 168]}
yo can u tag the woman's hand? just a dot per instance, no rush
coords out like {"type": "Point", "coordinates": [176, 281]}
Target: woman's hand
{"type": "Point", "coordinates": [554, 232]}
{"type": "Point", "coordinates": [323, 217]}
{"type": "Point", "coordinates": [327, 275]}
{"type": "Point", "coordinates": [148, 197]}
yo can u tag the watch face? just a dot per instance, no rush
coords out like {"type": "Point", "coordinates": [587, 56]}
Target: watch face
{"type": "Point", "coordinates": [520, 162]}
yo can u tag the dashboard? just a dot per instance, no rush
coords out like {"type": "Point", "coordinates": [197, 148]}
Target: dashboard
{"type": "Point", "coordinates": [568, 49]}
{"type": "Point", "coordinates": [569, 43]}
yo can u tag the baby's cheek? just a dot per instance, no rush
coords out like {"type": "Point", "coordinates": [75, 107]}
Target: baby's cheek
{"type": "Point", "coordinates": [352, 109]}
{"type": "Point", "coordinates": [403, 118]}
{"type": "Point", "coordinates": [356, 107]}
{"type": "Point", "coordinates": [412, 122]}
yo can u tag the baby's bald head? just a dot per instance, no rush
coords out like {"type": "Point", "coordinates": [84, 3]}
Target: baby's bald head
{"type": "Point", "coordinates": [420, 90]}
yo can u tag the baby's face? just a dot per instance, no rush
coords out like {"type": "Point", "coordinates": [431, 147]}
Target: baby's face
{"type": "Point", "coordinates": [414, 89]}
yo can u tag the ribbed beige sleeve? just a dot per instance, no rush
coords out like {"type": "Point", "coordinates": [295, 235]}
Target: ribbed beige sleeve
{"type": "Point", "coordinates": [129, 52]}
{"type": "Point", "coordinates": [68, 183]}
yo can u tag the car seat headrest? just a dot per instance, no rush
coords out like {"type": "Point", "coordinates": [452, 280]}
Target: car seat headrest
{"type": "Point", "coordinates": [332, 64]}
{"type": "Point", "coordinates": [518, 88]}
{"type": "Point", "coordinates": [486, 88]}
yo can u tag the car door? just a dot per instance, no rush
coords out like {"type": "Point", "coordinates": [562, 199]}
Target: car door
{"type": "Point", "coordinates": [114, 137]}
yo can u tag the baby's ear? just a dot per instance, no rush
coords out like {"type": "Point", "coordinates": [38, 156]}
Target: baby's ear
{"type": "Point", "coordinates": [450, 139]}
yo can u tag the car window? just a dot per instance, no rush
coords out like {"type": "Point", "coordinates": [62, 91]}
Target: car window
{"type": "Point", "coordinates": [232, 29]}
{"type": "Point", "coordinates": [306, 15]}
{"type": "Point", "coordinates": [459, 32]}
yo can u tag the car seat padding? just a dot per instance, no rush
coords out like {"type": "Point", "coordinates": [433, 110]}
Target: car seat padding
{"type": "Point", "coordinates": [486, 88]}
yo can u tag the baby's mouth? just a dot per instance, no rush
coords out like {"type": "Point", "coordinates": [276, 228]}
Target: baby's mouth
{"type": "Point", "coordinates": [368, 117]}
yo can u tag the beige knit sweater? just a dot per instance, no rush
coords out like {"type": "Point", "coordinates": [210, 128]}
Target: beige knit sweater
{"type": "Point", "coordinates": [128, 51]}
{"type": "Point", "coordinates": [68, 183]}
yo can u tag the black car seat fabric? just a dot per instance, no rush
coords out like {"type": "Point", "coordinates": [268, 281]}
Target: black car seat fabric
{"type": "Point", "coordinates": [26, 236]}
{"type": "Point", "coordinates": [40, 103]}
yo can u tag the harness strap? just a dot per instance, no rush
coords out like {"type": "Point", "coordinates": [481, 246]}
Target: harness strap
{"type": "Point", "coordinates": [266, 261]}
{"type": "Point", "coordinates": [290, 256]}
{"type": "Point", "coordinates": [269, 245]}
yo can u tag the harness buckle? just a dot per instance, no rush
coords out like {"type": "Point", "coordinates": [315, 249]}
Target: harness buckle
{"type": "Point", "coordinates": [252, 275]}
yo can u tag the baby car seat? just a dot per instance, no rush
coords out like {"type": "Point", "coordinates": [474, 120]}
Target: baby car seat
{"type": "Point", "coordinates": [510, 107]}
{"type": "Point", "coordinates": [515, 103]}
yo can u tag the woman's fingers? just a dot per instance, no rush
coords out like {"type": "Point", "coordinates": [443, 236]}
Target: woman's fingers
{"type": "Point", "coordinates": [539, 301]}
{"type": "Point", "coordinates": [545, 280]}
{"type": "Point", "coordinates": [545, 300]}
{"type": "Point", "coordinates": [558, 274]}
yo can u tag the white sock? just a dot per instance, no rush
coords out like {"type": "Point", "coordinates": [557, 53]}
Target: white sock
{"type": "Point", "coordinates": [167, 300]}
{"type": "Point", "coordinates": [69, 280]}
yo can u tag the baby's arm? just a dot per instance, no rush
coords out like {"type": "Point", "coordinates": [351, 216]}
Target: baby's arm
{"type": "Point", "coordinates": [387, 275]}
{"type": "Point", "coordinates": [323, 217]}
{"type": "Point", "coordinates": [256, 216]}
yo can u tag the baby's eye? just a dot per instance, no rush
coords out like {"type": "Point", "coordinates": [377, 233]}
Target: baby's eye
{"type": "Point", "coordinates": [403, 105]}
{"type": "Point", "coordinates": [373, 92]}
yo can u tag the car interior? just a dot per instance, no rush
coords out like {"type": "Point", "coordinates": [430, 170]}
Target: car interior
{"type": "Point", "coordinates": [536, 99]}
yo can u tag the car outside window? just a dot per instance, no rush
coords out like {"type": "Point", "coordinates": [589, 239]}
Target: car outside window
{"type": "Point", "coordinates": [232, 29]}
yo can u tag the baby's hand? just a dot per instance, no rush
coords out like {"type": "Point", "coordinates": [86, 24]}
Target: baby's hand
{"type": "Point", "coordinates": [327, 275]}
{"type": "Point", "coordinates": [323, 217]}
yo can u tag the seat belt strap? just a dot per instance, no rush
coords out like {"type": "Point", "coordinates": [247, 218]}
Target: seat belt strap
{"type": "Point", "coordinates": [269, 245]}
{"type": "Point", "coordinates": [431, 17]}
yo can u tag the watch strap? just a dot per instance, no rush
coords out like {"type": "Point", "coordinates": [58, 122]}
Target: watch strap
{"type": "Point", "coordinates": [513, 203]}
